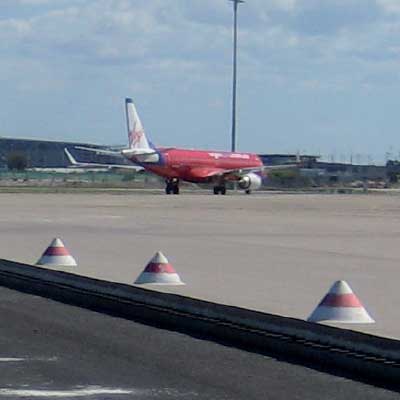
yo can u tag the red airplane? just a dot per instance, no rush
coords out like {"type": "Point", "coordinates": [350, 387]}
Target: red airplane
{"type": "Point", "coordinates": [196, 166]}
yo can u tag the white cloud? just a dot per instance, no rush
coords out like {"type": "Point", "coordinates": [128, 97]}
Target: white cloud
{"type": "Point", "coordinates": [283, 5]}
{"type": "Point", "coordinates": [142, 33]}
{"type": "Point", "coordinates": [15, 28]}
{"type": "Point", "coordinates": [179, 46]}
{"type": "Point", "coordinates": [389, 6]}
{"type": "Point", "coordinates": [33, 2]}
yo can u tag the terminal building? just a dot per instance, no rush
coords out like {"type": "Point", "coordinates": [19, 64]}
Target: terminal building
{"type": "Point", "coordinates": [50, 154]}
{"type": "Point", "coordinates": [331, 173]}
{"type": "Point", "coordinates": [278, 159]}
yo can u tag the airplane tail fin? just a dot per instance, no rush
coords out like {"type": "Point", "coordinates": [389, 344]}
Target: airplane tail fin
{"type": "Point", "coordinates": [136, 135]}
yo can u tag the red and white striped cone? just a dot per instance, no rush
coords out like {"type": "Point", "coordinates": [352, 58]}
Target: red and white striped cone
{"type": "Point", "coordinates": [341, 305]}
{"type": "Point", "coordinates": [159, 272]}
{"type": "Point", "coordinates": [57, 255]}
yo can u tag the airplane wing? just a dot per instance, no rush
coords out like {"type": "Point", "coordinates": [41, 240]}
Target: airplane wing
{"type": "Point", "coordinates": [123, 166]}
{"type": "Point", "coordinates": [78, 164]}
{"type": "Point", "coordinates": [100, 151]}
{"type": "Point", "coordinates": [265, 168]}
{"type": "Point", "coordinates": [281, 166]}
{"type": "Point", "coordinates": [234, 174]}
{"type": "Point", "coordinates": [119, 153]}
{"type": "Point", "coordinates": [204, 173]}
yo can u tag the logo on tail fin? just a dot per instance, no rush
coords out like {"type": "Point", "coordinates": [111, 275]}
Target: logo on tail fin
{"type": "Point", "coordinates": [136, 138]}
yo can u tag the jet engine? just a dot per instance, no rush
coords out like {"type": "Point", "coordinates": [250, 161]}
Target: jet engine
{"type": "Point", "coordinates": [251, 181]}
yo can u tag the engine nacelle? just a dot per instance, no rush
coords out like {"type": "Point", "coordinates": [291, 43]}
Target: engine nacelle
{"type": "Point", "coordinates": [251, 181]}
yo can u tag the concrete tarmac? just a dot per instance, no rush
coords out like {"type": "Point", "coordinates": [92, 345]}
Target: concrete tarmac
{"type": "Point", "coordinates": [52, 350]}
{"type": "Point", "coordinates": [271, 252]}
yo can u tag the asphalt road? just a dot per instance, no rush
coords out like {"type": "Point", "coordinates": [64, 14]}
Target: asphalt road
{"type": "Point", "coordinates": [51, 350]}
{"type": "Point", "coordinates": [271, 252]}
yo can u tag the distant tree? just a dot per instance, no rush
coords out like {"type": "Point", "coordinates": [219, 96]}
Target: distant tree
{"type": "Point", "coordinates": [17, 161]}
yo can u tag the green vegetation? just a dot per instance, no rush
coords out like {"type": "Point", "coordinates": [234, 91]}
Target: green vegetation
{"type": "Point", "coordinates": [15, 181]}
{"type": "Point", "coordinates": [129, 177]}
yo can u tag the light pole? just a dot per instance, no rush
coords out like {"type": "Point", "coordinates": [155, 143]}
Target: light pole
{"type": "Point", "coordinates": [235, 8]}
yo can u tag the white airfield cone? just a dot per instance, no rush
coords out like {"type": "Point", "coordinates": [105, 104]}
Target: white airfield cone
{"type": "Point", "coordinates": [341, 305]}
{"type": "Point", "coordinates": [57, 255]}
{"type": "Point", "coordinates": [159, 272]}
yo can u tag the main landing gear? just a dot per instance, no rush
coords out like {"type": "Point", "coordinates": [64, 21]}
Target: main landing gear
{"type": "Point", "coordinates": [220, 189]}
{"type": "Point", "coordinates": [172, 186]}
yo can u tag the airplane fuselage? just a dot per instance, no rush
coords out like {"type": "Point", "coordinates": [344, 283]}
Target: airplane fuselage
{"type": "Point", "coordinates": [195, 165]}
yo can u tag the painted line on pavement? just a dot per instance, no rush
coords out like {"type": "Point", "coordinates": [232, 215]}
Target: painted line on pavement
{"type": "Point", "coordinates": [82, 392]}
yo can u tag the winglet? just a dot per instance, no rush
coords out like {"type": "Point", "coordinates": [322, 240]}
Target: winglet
{"type": "Point", "coordinates": [71, 159]}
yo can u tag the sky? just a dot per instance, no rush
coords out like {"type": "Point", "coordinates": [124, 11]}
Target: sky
{"type": "Point", "coordinates": [319, 77]}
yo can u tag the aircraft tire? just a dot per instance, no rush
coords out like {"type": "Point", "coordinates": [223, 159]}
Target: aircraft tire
{"type": "Point", "coordinates": [248, 191]}
{"type": "Point", "coordinates": [175, 189]}
{"type": "Point", "coordinates": [219, 190]}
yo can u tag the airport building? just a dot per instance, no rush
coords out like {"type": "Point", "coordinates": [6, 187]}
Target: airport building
{"type": "Point", "coordinates": [319, 173]}
{"type": "Point", "coordinates": [332, 173]}
{"type": "Point", "coordinates": [50, 154]}
{"type": "Point", "coordinates": [278, 159]}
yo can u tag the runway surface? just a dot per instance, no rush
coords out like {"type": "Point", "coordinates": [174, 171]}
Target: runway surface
{"type": "Point", "coordinates": [272, 252]}
{"type": "Point", "coordinates": [51, 350]}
